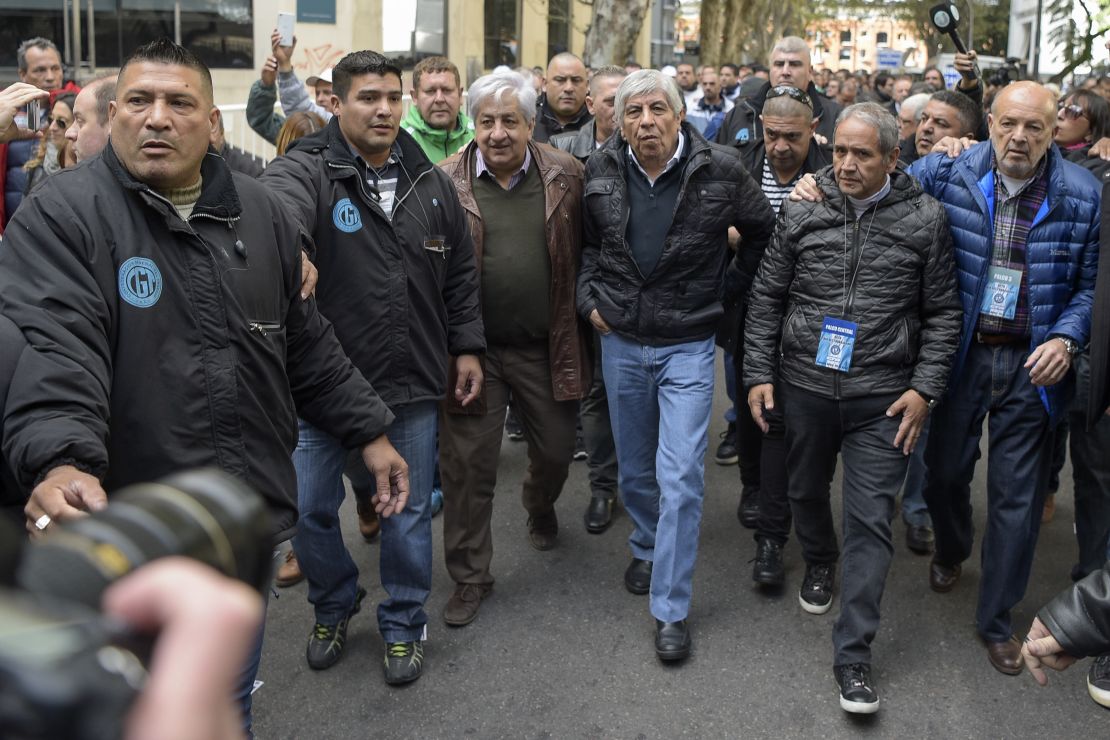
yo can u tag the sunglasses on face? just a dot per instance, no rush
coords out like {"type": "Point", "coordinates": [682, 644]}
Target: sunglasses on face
{"type": "Point", "coordinates": [1072, 112]}
{"type": "Point", "coordinates": [791, 92]}
{"type": "Point", "coordinates": [59, 122]}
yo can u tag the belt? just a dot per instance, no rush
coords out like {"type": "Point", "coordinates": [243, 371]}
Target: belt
{"type": "Point", "coordinates": [998, 339]}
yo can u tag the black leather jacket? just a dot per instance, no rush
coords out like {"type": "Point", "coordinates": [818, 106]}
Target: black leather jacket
{"type": "Point", "coordinates": [1079, 618]}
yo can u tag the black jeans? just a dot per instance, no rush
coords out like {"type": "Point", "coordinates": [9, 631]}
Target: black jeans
{"type": "Point", "coordinates": [597, 433]}
{"type": "Point", "coordinates": [762, 456]}
{"type": "Point", "coordinates": [818, 430]}
{"type": "Point", "coordinates": [1091, 469]}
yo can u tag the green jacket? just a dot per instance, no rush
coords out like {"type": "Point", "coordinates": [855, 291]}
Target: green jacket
{"type": "Point", "coordinates": [260, 112]}
{"type": "Point", "coordinates": [437, 144]}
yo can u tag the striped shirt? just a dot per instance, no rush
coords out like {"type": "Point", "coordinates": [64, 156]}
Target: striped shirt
{"type": "Point", "coordinates": [1013, 217]}
{"type": "Point", "coordinates": [775, 192]}
{"type": "Point", "coordinates": [382, 180]}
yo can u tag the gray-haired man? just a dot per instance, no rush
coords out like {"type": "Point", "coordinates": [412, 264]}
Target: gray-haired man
{"type": "Point", "coordinates": [523, 204]}
{"type": "Point", "coordinates": [852, 327]}
{"type": "Point", "coordinates": [659, 200]}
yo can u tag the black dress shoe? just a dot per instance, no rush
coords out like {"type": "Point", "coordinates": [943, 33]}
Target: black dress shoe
{"type": "Point", "coordinates": [748, 510]}
{"type": "Point", "coordinates": [599, 514]}
{"type": "Point", "coordinates": [672, 640]}
{"type": "Point", "coordinates": [768, 569]}
{"type": "Point", "coordinates": [942, 578]}
{"type": "Point", "coordinates": [920, 538]}
{"type": "Point", "coordinates": [637, 579]}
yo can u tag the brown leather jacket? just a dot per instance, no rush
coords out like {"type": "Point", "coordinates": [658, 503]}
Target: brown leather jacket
{"type": "Point", "coordinates": [568, 341]}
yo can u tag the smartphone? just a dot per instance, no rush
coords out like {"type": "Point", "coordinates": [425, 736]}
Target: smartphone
{"type": "Point", "coordinates": [285, 28]}
{"type": "Point", "coordinates": [34, 115]}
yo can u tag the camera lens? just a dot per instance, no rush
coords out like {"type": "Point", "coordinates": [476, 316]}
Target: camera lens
{"type": "Point", "coordinates": [206, 515]}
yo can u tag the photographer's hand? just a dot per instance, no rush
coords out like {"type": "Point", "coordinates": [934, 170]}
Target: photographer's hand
{"type": "Point", "coordinates": [205, 626]}
{"type": "Point", "coordinates": [12, 99]}
{"type": "Point", "coordinates": [391, 476]}
{"type": "Point", "coordinates": [64, 494]}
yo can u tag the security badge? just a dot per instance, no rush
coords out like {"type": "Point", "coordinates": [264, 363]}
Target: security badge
{"type": "Point", "coordinates": [1001, 296]}
{"type": "Point", "coordinates": [834, 349]}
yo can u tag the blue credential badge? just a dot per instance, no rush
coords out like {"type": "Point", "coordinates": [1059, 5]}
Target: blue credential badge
{"type": "Point", "coordinates": [834, 350]}
{"type": "Point", "coordinates": [1001, 296]}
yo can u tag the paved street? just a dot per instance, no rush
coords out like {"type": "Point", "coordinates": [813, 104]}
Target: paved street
{"type": "Point", "coordinates": [561, 650]}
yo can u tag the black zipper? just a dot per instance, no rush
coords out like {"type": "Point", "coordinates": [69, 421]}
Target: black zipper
{"type": "Point", "coordinates": [262, 328]}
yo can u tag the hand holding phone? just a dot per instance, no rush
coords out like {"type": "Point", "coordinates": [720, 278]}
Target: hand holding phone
{"type": "Point", "coordinates": [285, 28]}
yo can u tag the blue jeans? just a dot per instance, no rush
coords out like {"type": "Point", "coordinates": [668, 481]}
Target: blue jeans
{"type": "Point", "coordinates": [406, 547]}
{"type": "Point", "coordinates": [993, 382]}
{"type": "Point", "coordinates": [660, 399]}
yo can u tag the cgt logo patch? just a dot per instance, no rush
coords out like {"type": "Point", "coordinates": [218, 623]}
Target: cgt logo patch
{"type": "Point", "coordinates": [346, 217]}
{"type": "Point", "coordinates": [140, 282]}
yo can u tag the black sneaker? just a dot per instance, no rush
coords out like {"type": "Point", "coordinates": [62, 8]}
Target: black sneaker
{"type": "Point", "coordinates": [857, 695]}
{"type": "Point", "coordinates": [325, 644]}
{"type": "Point", "coordinates": [768, 569]}
{"type": "Point", "coordinates": [579, 447]}
{"type": "Point", "coordinates": [748, 510]}
{"type": "Point", "coordinates": [726, 451]}
{"type": "Point", "coordinates": [404, 662]}
{"type": "Point", "coordinates": [513, 429]}
{"type": "Point", "coordinates": [817, 588]}
{"type": "Point", "coordinates": [1098, 680]}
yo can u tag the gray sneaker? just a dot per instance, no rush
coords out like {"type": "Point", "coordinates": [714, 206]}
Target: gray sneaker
{"type": "Point", "coordinates": [404, 662]}
{"type": "Point", "coordinates": [1098, 680]}
{"type": "Point", "coordinates": [325, 644]}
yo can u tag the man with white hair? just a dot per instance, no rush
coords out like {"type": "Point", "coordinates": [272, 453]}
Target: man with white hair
{"type": "Point", "coordinates": [523, 204]}
{"type": "Point", "coordinates": [659, 200]}
{"type": "Point", "coordinates": [909, 113]}
{"type": "Point", "coordinates": [790, 65]}
{"type": "Point", "coordinates": [850, 334]}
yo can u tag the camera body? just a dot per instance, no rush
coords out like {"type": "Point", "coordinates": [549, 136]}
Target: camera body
{"type": "Point", "coordinates": [67, 672]}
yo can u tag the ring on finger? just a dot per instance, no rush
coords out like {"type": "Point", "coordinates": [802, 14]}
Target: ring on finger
{"type": "Point", "coordinates": [43, 522]}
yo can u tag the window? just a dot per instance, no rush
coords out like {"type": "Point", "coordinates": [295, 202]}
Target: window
{"type": "Point", "coordinates": [901, 37]}
{"type": "Point", "coordinates": [220, 32]}
{"type": "Point", "coordinates": [881, 37]}
{"type": "Point", "coordinates": [502, 21]}
{"type": "Point", "coordinates": [863, 53]}
{"type": "Point", "coordinates": [845, 37]}
{"type": "Point", "coordinates": [845, 53]}
{"type": "Point", "coordinates": [413, 30]}
{"type": "Point", "coordinates": [558, 27]}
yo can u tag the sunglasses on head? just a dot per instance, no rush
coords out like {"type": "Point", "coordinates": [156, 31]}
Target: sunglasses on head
{"type": "Point", "coordinates": [1073, 111]}
{"type": "Point", "coordinates": [791, 92]}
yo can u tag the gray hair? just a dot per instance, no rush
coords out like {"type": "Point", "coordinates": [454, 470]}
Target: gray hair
{"type": "Point", "coordinates": [878, 118]}
{"type": "Point", "coordinates": [496, 86]}
{"type": "Point", "coordinates": [608, 72]}
{"type": "Point", "coordinates": [791, 45]}
{"type": "Point", "coordinates": [643, 82]}
{"type": "Point", "coordinates": [38, 42]}
{"type": "Point", "coordinates": [916, 103]}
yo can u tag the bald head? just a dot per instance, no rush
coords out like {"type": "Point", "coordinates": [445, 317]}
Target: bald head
{"type": "Point", "coordinates": [566, 86]}
{"type": "Point", "coordinates": [1022, 123]}
{"type": "Point", "coordinates": [785, 106]}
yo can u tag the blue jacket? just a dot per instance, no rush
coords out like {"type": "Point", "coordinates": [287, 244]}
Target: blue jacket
{"type": "Point", "coordinates": [1061, 252]}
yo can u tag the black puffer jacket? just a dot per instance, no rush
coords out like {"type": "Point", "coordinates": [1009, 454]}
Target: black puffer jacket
{"type": "Point", "coordinates": [158, 344]}
{"type": "Point", "coordinates": [1079, 618]}
{"type": "Point", "coordinates": [893, 270]}
{"type": "Point", "coordinates": [398, 308]}
{"type": "Point", "coordinates": [680, 301]}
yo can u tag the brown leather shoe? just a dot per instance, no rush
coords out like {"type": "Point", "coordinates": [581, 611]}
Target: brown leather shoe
{"type": "Point", "coordinates": [1005, 656]}
{"type": "Point", "coordinates": [462, 607]}
{"type": "Point", "coordinates": [543, 530]}
{"type": "Point", "coordinates": [368, 525]}
{"type": "Point", "coordinates": [943, 578]}
{"type": "Point", "coordinates": [289, 574]}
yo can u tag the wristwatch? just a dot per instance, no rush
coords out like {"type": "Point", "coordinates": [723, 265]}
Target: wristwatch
{"type": "Point", "coordinates": [930, 402]}
{"type": "Point", "coordinates": [1071, 345]}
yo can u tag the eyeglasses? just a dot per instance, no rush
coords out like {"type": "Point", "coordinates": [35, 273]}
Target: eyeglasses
{"type": "Point", "coordinates": [791, 92]}
{"type": "Point", "coordinates": [59, 122]}
{"type": "Point", "coordinates": [1073, 111]}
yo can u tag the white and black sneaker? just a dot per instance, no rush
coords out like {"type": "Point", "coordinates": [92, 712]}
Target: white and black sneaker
{"type": "Point", "coordinates": [1098, 680]}
{"type": "Point", "coordinates": [816, 594]}
{"type": "Point", "coordinates": [857, 695]}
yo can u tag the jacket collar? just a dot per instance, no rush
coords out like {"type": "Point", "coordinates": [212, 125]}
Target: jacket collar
{"type": "Point", "coordinates": [902, 187]}
{"type": "Point", "coordinates": [462, 171]}
{"type": "Point", "coordinates": [545, 111]}
{"type": "Point", "coordinates": [218, 196]}
{"type": "Point", "coordinates": [415, 121]}
{"type": "Point", "coordinates": [697, 150]}
{"type": "Point", "coordinates": [330, 143]}
{"type": "Point", "coordinates": [975, 167]}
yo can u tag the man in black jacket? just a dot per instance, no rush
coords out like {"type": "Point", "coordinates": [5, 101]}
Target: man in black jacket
{"type": "Point", "coordinates": [399, 282]}
{"type": "Point", "coordinates": [659, 200]}
{"type": "Point", "coordinates": [853, 323]}
{"type": "Point", "coordinates": [787, 151]}
{"type": "Point", "coordinates": [175, 334]}
{"type": "Point", "coordinates": [562, 107]}
{"type": "Point", "coordinates": [790, 65]}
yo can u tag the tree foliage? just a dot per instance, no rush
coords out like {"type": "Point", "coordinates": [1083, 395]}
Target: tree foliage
{"type": "Point", "coordinates": [1076, 33]}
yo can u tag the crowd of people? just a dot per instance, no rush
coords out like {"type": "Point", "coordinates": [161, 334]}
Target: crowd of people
{"type": "Point", "coordinates": [886, 264]}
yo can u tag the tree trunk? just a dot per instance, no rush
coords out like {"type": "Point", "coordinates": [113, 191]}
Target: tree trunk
{"type": "Point", "coordinates": [614, 28]}
{"type": "Point", "coordinates": [732, 49]}
{"type": "Point", "coordinates": [710, 35]}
